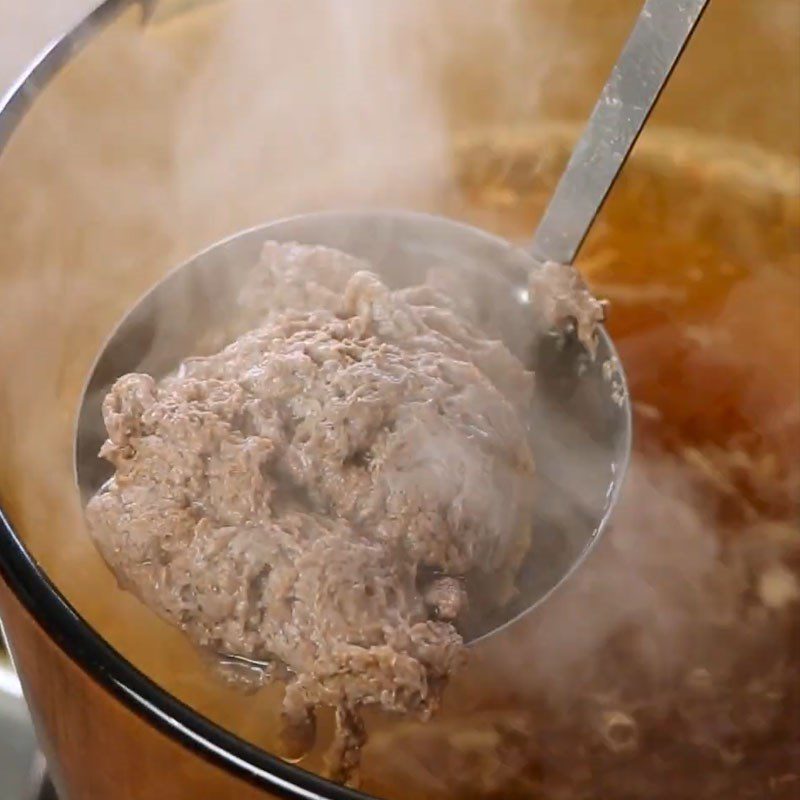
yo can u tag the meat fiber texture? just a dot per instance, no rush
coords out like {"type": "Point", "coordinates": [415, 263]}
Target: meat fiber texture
{"type": "Point", "coordinates": [316, 495]}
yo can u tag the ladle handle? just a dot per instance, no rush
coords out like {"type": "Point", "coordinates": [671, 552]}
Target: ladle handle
{"type": "Point", "coordinates": [658, 38]}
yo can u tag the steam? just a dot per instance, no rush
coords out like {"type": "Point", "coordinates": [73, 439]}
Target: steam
{"type": "Point", "coordinates": [653, 621]}
{"type": "Point", "coordinates": [291, 107]}
{"type": "Point", "coordinates": [328, 106]}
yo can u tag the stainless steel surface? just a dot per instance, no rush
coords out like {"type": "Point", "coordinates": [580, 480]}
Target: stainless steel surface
{"type": "Point", "coordinates": [581, 449]}
{"type": "Point", "coordinates": [51, 58]}
{"type": "Point", "coordinates": [17, 740]}
{"type": "Point", "coordinates": [39, 786]}
{"type": "Point", "coordinates": [657, 41]}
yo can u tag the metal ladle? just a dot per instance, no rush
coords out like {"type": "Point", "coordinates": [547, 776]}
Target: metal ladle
{"type": "Point", "coordinates": [583, 437]}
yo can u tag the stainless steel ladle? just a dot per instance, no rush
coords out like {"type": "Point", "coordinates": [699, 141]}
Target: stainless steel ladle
{"type": "Point", "coordinates": [581, 423]}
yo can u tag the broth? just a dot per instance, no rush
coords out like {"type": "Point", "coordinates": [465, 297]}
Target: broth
{"type": "Point", "coordinates": [680, 682]}
{"type": "Point", "coordinates": [667, 667]}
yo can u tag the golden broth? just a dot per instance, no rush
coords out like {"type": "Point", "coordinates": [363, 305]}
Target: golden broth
{"type": "Point", "coordinates": [697, 251]}
{"type": "Point", "coordinates": [685, 684]}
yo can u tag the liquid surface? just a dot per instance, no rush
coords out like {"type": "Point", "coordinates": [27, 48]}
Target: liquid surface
{"type": "Point", "coordinates": [667, 667]}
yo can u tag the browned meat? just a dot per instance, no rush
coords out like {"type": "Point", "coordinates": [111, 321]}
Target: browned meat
{"type": "Point", "coordinates": [447, 597]}
{"type": "Point", "coordinates": [559, 296]}
{"type": "Point", "coordinates": [284, 499]}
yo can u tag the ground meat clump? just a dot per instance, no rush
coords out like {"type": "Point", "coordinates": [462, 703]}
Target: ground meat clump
{"type": "Point", "coordinates": [313, 495]}
{"type": "Point", "coordinates": [559, 297]}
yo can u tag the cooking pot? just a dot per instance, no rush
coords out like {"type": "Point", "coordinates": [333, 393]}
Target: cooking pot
{"type": "Point", "coordinates": [155, 128]}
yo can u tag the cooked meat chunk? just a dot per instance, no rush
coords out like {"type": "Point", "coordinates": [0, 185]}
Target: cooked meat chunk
{"type": "Point", "coordinates": [447, 597]}
{"type": "Point", "coordinates": [559, 297]}
{"type": "Point", "coordinates": [283, 499]}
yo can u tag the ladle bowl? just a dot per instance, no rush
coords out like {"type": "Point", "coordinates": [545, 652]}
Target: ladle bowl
{"type": "Point", "coordinates": [580, 424]}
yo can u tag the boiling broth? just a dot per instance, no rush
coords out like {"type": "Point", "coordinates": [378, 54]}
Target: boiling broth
{"type": "Point", "coordinates": [681, 680]}
{"type": "Point", "coordinates": [587, 698]}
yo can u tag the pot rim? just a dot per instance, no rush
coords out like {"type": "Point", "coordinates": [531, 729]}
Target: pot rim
{"type": "Point", "coordinates": [51, 610]}
{"type": "Point", "coordinates": [60, 620]}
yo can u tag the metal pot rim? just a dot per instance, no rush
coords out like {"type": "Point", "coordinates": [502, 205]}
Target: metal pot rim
{"type": "Point", "coordinates": [51, 610]}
